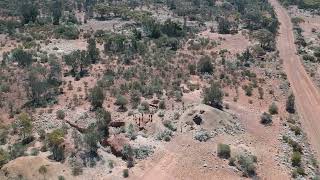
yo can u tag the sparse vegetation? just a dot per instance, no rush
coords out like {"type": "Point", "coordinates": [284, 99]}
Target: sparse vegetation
{"type": "Point", "coordinates": [92, 83]}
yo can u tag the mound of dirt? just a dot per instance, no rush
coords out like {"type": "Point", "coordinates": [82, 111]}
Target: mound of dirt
{"type": "Point", "coordinates": [28, 168]}
{"type": "Point", "coordinates": [212, 119]}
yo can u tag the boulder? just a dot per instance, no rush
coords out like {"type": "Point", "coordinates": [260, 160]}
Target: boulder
{"type": "Point", "coordinates": [197, 119]}
{"type": "Point", "coordinates": [116, 143]}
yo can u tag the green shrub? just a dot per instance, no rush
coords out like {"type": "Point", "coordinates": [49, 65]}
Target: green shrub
{"type": "Point", "coordinates": [142, 152]}
{"type": "Point", "coordinates": [110, 164]}
{"type": "Point", "coordinates": [4, 157]}
{"type": "Point", "coordinates": [5, 88]}
{"type": "Point", "coordinates": [205, 65]}
{"type": "Point", "coordinates": [3, 135]}
{"type": "Point", "coordinates": [125, 173]}
{"type": "Point", "coordinates": [295, 146]}
{"type": "Point", "coordinates": [202, 135]}
{"type": "Point", "coordinates": [247, 165]}
{"type": "Point", "coordinates": [232, 161]}
{"type": "Point", "coordinates": [168, 124]}
{"type": "Point", "coordinates": [213, 96]}
{"type": "Point", "coordinates": [34, 152]}
{"type": "Point", "coordinates": [17, 150]}
{"type": "Point", "coordinates": [162, 104]}
{"type": "Point", "coordinates": [296, 158]}
{"type": "Point", "coordinates": [273, 109]}
{"type": "Point", "coordinates": [131, 132]}
{"type": "Point", "coordinates": [60, 114]}
{"type": "Point", "coordinates": [77, 170]}
{"type": "Point", "coordinates": [67, 32]}
{"type": "Point", "coordinates": [122, 102]}
{"type": "Point", "coordinates": [308, 57]}
{"type": "Point", "coordinates": [61, 178]}
{"type": "Point", "coordinates": [295, 129]}
{"type": "Point", "coordinates": [301, 171]}
{"type": "Point", "coordinates": [165, 135]}
{"type": "Point", "coordinates": [97, 97]}
{"type": "Point", "coordinates": [224, 151]}
{"type": "Point", "coordinates": [145, 106]}
{"type": "Point", "coordinates": [248, 89]}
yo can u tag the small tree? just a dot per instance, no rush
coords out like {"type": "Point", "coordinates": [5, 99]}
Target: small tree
{"type": "Point", "coordinates": [265, 38]}
{"type": "Point", "coordinates": [162, 104]}
{"type": "Point", "coordinates": [135, 99]}
{"type": "Point", "coordinates": [145, 106]}
{"type": "Point", "coordinates": [213, 96]}
{"type": "Point", "coordinates": [25, 125]}
{"type": "Point", "coordinates": [103, 120]}
{"type": "Point", "coordinates": [224, 26]}
{"type": "Point", "coordinates": [122, 102]}
{"type": "Point", "coordinates": [22, 57]}
{"type": "Point", "coordinates": [91, 139]}
{"type": "Point", "coordinates": [205, 65]}
{"type": "Point", "coordinates": [290, 103]}
{"type": "Point", "coordinates": [93, 51]}
{"type": "Point", "coordinates": [97, 97]}
{"type": "Point", "coordinates": [54, 139]}
{"type": "Point", "coordinates": [56, 9]}
{"type": "Point", "coordinates": [29, 11]}
{"type": "Point", "coordinates": [131, 132]}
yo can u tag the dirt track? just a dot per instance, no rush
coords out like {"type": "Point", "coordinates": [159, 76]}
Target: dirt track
{"type": "Point", "coordinates": [305, 91]}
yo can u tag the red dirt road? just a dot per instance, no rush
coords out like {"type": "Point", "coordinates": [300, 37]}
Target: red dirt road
{"type": "Point", "coordinates": [305, 91]}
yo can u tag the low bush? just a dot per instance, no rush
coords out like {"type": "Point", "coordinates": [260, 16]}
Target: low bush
{"type": "Point", "coordinates": [4, 157]}
{"type": "Point", "coordinates": [60, 114]}
{"type": "Point", "coordinates": [266, 118]}
{"type": "Point", "coordinates": [247, 165]}
{"type": "Point", "coordinates": [224, 151]}
{"type": "Point", "coordinates": [273, 109]}
{"type": "Point", "coordinates": [202, 135]}
{"type": "Point", "coordinates": [69, 31]}
{"type": "Point", "coordinates": [142, 152]}
{"type": "Point", "coordinates": [125, 173]}
{"type": "Point", "coordinates": [308, 57]}
{"type": "Point", "coordinates": [169, 125]}
{"type": "Point", "coordinates": [295, 129]}
{"type": "Point", "coordinates": [296, 158]}
{"type": "Point", "coordinates": [165, 135]}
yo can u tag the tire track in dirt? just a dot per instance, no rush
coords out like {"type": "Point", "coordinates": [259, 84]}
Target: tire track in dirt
{"type": "Point", "coordinates": [160, 170]}
{"type": "Point", "coordinates": [305, 91]}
